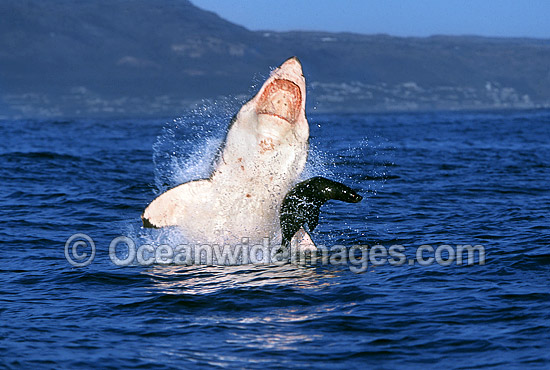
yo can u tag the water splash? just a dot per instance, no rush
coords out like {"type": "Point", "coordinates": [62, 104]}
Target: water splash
{"type": "Point", "coordinates": [188, 145]}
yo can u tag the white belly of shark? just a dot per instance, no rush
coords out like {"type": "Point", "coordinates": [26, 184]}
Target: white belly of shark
{"type": "Point", "coordinates": [263, 155]}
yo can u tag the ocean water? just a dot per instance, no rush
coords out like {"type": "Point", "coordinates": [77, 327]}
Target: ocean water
{"type": "Point", "coordinates": [438, 179]}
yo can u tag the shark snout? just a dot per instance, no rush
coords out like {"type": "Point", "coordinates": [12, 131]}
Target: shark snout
{"type": "Point", "coordinates": [292, 63]}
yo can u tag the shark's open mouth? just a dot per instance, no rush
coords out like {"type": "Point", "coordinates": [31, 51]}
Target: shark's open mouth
{"type": "Point", "coordinates": [282, 99]}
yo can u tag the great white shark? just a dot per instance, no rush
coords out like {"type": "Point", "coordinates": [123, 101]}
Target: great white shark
{"type": "Point", "coordinates": [261, 159]}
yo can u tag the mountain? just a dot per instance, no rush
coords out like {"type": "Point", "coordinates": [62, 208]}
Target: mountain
{"type": "Point", "coordinates": [66, 58]}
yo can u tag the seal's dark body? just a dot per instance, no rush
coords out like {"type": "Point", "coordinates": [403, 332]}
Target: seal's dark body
{"type": "Point", "coordinates": [303, 202]}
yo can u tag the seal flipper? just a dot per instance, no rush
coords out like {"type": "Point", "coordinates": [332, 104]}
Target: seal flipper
{"type": "Point", "coordinates": [303, 202]}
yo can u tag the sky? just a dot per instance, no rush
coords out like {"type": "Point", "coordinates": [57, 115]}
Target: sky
{"type": "Point", "coordinates": [501, 18]}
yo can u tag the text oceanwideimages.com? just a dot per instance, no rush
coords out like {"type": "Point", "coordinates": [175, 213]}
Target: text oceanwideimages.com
{"type": "Point", "coordinates": [80, 250]}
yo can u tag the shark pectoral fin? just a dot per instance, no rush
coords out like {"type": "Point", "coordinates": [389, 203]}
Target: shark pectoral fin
{"type": "Point", "coordinates": [173, 206]}
{"type": "Point", "coordinates": [302, 241]}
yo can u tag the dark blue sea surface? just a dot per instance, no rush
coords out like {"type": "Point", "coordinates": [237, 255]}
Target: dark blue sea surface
{"type": "Point", "coordinates": [438, 179]}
